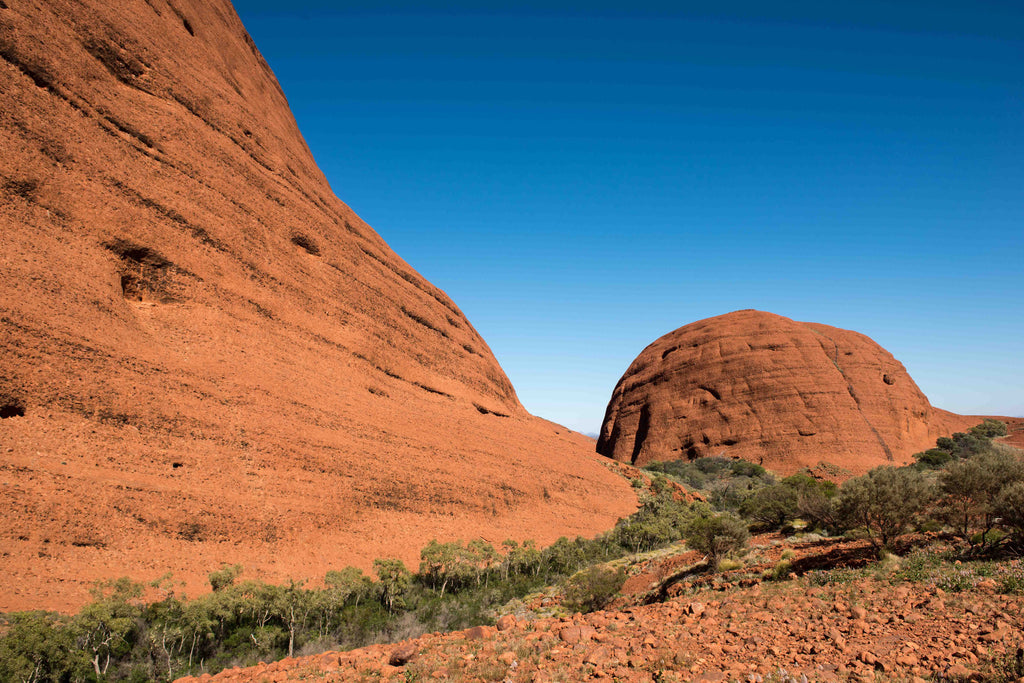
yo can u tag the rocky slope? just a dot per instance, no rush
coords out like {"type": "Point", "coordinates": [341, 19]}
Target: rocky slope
{"type": "Point", "coordinates": [833, 626]}
{"type": "Point", "coordinates": [765, 388]}
{"type": "Point", "coordinates": [205, 356]}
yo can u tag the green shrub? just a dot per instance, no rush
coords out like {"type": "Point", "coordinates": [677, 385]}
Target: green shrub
{"type": "Point", "coordinates": [933, 458]}
{"type": "Point", "coordinates": [973, 494]}
{"type": "Point", "coordinates": [919, 565]}
{"type": "Point", "coordinates": [717, 536]}
{"type": "Point", "coordinates": [1009, 508]}
{"type": "Point", "coordinates": [593, 588]}
{"type": "Point", "coordinates": [820, 577]}
{"type": "Point", "coordinates": [771, 507]}
{"type": "Point", "coordinates": [224, 577]}
{"type": "Point", "coordinates": [885, 502]}
{"type": "Point", "coordinates": [989, 429]}
{"type": "Point", "coordinates": [781, 571]}
{"type": "Point", "coordinates": [725, 482]}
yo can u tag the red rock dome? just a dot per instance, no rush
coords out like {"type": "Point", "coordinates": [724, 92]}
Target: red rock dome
{"type": "Point", "coordinates": [205, 356]}
{"type": "Point", "coordinates": [774, 391]}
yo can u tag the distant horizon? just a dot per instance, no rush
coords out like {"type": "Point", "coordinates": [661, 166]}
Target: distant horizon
{"type": "Point", "coordinates": [583, 178]}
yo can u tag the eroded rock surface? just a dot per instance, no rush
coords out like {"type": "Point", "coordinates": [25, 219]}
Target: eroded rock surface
{"type": "Point", "coordinates": [205, 356]}
{"type": "Point", "coordinates": [774, 391]}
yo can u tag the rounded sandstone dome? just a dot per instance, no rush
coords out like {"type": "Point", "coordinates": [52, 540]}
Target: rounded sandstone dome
{"type": "Point", "coordinates": [770, 390]}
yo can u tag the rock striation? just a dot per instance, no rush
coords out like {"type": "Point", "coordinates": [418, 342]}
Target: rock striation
{"type": "Point", "coordinates": [774, 391]}
{"type": "Point", "coordinates": [205, 356]}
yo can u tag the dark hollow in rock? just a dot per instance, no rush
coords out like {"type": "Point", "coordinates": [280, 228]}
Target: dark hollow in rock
{"type": "Point", "coordinates": [306, 243]}
{"type": "Point", "coordinates": [144, 271]}
{"type": "Point", "coordinates": [11, 409]}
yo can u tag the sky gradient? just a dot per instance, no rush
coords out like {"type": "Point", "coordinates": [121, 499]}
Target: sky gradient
{"type": "Point", "coordinates": [582, 178]}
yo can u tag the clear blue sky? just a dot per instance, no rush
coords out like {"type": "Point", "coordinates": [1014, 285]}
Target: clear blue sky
{"type": "Point", "coordinates": [582, 178]}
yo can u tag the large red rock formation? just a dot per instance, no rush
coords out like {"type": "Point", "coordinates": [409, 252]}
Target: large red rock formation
{"type": "Point", "coordinates": [205, 356]}
{"type": "Point", "coordinates": [770, 390]}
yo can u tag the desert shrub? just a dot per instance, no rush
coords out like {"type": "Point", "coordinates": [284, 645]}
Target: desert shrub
{"type": "Point", "coordinates": [961, 445]}
{"type": "Point", "coordinates": [885, 502]}
{"type": "Point", "coordinates": [593, 588]}
{"type": "Point", "coordinates": [659, 521]}
{"type": "Point", "coordinates": [717, 536]}
{"type": "Point", "coordinates": [39, 646]}
{"type": "Point", "coordinates": [1009, 509]}
{"type": "Point", "coordinates": [780, 572]}
{"type": "Point", "coordinates": [933, 459]}
{"type": "Point", "coordinates": [726, 482]}
{"type": "Point", "coordinates": [989, 429]}
{"type": "Point", "coordinates": [973, 494]}
{"type": "Point", "coordinates": [729, 564]}
{"type": "Point", "coordinates": [1011, 578]}
{"type": "Point", "coordinates": [771, 507]}
{"type": "Point", "coordinates": [957, 579]}
{"type": "Point", "coordinates": [800, 495]}
{"type": "Point", "coordinates": [224, 577]}
{"type": "Point", "coordinates": [1009, 667]}
{"type": "Point", "coordinates": [919, 565]}
{"type": "Point", "coordinates": [830, 577]}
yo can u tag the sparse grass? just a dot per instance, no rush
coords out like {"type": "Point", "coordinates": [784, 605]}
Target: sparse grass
{"type": "Point", "coordinates": [728, 565]}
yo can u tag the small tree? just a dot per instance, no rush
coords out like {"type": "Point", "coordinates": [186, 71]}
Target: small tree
{"type": "Point", "coordinates": [971, 488]}
{"type": "Point", "coordinates": [395, 581]}
{"type": "Point", "coordinates": [885, 501]}
{"type": "Point", "coordinates": [224, 577]}
{"type": "Point", "coordinates": [38, 646]}
{"type": "Point", "coordinates": [717, 536]}
{"type": "Point", "coordinates": [593, 588]}
{"type": "Point", "coordinates": [772, 507]}
{"type": "Point", "coordinates": [439, 563]}
{"type": "Point", "coordinates": [105, 625]}
{"type": "Point", "coordinates": [291, 605]}
{"type": "Point", "coordinates": [347, 584]}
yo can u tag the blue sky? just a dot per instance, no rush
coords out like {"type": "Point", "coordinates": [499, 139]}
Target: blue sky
{"type": "Point", "coordinates": [582, 178]}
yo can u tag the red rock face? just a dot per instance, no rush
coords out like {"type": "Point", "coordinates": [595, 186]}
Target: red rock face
{"type": "Point", "coordinates": [205, 356]}
{"type": "Point", "coordinates": [770, 390]}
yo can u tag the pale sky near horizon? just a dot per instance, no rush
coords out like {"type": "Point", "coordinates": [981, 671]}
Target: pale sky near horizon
{"type": "Point", "coordinates": [583, 177]}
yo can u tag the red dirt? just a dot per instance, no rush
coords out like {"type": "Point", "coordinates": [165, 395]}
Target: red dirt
{"type": "Point", "coordinates": [205, 356]}
{"type": "Point", "coordinates": [770, 390]}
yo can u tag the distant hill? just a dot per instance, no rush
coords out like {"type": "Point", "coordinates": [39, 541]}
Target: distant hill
{"type": "Point", "coordinates": [770, 390]}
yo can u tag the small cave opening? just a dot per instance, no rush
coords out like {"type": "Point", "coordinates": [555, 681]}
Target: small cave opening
{"type": "Point", "coordinates": [11, 409]}
{"type": "Point", "coordinates": [177, 465]}
{"type": "Point", "coordinates": [145, 272]}
{"type": "Point", "coordinates": [306, 242]}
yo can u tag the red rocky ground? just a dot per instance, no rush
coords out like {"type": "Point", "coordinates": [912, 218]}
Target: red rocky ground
{"type": "Point", "coordinates": [852, 630]}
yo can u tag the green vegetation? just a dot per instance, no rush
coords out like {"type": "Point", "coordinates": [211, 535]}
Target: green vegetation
{"type": "Point", "coordinates": [977, 439]}
{"type": "Point", "coordinates": [593, 588]}
{"type": "Point", "coordinates": [798, 496]}
{"type": "Point", "coordinates": [967, 484]}
{"type": "Point", "coordinates": [885, 502]}
{"type": "Point", "coordinates": [121, 636]}
{"type": "Point", "coordinates": [724, 482]}
{"type": "Point", "coordinates": [717, 536]}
